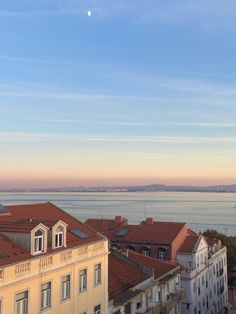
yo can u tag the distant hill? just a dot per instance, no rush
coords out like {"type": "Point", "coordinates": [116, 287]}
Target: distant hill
{"type": "Point", "coordinates": [136, 188]}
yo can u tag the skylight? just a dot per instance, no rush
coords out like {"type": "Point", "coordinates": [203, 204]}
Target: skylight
{"type": "Point", "coordinates": [121, 232]}
{"type": "Point", "coordinates": [78, 233]}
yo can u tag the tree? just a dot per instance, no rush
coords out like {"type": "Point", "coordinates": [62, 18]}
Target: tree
{"type": "Point", "coordinates": [231, 251]}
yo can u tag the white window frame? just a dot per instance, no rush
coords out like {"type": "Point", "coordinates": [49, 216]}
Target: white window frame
{"type": "Point", "coordinates": [97, 311]}
{"type": "Point", "coordinates": [83, 277]}
{"type": "Point", "coordinates": [39, 241]}
{"type": "Point", "coordinates": [21, 305]}
{"type": "Point", "coordinates": [162, 253]}
{"type": "Point", "coordinates": [59, 237]}
{"type": "Point", "coordinates": [65, 287]}
{"type": "Point", "coordinates": [46, 296]}
{"type": "Point", "coordinates": [146, 251]}
{"type": "Point", "coordinates": [97, 274]}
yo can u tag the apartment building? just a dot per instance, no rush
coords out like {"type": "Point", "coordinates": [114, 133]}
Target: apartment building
{"type": "Point", "coordinates": [141, 284]}
{"type": "Point", "coordinates": [203, 261]}
{"type": "Point", "coordinates": [157, 239]}
{"type": "Point", "coordinates": [204, 276]}
{"type": "Point", "coordinates": [50, 262]}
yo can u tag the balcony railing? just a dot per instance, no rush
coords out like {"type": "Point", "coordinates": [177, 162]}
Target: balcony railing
{"type": "Point", "coordinates": [23, 268]}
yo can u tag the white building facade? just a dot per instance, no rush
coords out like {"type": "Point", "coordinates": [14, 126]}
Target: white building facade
{"type": "Point", "coordinates": [204, 276]}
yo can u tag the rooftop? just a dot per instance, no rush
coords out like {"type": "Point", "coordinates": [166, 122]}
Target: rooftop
{"type": "Point", "coordinates": [122, 275]}
{"type": "Point", "coordinates": [148, 231]}
{"type": "Point", "coordinates": [160, 268]}
{"type": "Point", "coordinates": [10, 252]}
{"type": "Point", "coordinates": [24, 218]}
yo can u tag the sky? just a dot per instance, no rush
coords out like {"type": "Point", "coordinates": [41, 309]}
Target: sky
{"type": "Point", "coordinates": [134, 92]}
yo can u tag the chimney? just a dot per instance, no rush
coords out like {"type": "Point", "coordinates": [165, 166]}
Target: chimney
{"type": "Point", "coordinates": [150, 220]}
{"type": "Point", "coordinates": [119, 219]}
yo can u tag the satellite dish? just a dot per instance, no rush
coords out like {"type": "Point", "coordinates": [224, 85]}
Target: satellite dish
{"type": "Point", "coordinates": [89, 13]}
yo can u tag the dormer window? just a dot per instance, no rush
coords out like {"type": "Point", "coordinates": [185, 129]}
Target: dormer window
{"type": "Point", "coordinates": [38, 241]}
{"type": "Point", "coordinates": [59, 237]}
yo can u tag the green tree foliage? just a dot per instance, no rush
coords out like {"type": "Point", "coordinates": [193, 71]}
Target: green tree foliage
{"type": "Point", "coordinates": [231, 251]}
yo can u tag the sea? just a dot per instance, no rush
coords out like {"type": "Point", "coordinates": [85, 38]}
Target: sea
{"type": "Point", "coordinates": [200, 211]}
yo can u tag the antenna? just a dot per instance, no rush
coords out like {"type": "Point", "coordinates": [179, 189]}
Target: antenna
{"type": "Point", "coordinates": [145, 207]}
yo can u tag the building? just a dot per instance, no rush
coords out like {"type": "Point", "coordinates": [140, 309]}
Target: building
{"type": "Point", "coordinates": [204, 275]}
{"type": "Point", "coordinates": [203, 261]}
{"type": "Point", "coordinates": [157, 239]}
{"type": "Point", "coordinates": [142, 284]}
{"type": "Point", "coordinates": [50, 262]}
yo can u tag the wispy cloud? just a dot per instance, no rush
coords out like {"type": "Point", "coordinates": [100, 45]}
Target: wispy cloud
{"type": "Point", "coordinates": [8, 136]}
{"type": "Point", "coordinates": [204, 124]}
{"type": "Point", "coordinates": [95, 122]}
{"type": "Point", "coordinates": [48, 62]}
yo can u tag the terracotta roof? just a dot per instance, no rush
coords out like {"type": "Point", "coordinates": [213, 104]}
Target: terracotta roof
{"type": "Point", "coordinates": [189, 244]}
{"type": "Point", "coordinates": [160, 268]}
{"type": "Point", "coordinates": [122, 275]}
{"type": "Point", "coordinates": [157, 232]}
{"type": "Point", "coordinates": [23, 218]}
{"type": "Point", "coordinates": [10, 252]}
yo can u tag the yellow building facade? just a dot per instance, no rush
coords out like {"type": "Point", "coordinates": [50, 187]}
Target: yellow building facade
{"type": "Point", "coordinates": [68, 280]}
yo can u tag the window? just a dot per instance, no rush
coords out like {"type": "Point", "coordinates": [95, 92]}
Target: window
{"type": "Point", "coordinates": [97, 309]}
{"type": "Point", "coordinates": [38, 241]}
{"type": "Point", "coordinates": [131, 247]}
{"type": "Point", "coordinates": [97, 274]}
{"type": "Point", "coordinates": [145, 251]}
{"type": "Point", "coordinates": [22, 303]}
{"type": "Point", "coordinates": [83, 280]}
{"type": "Point", "coordinates": [162, 253]}
{"type": "Point", "coordinates": [139, 305]}
{"type": "Point", "coordinates": [65, 287]}
{"type": "Point", "coordinates": [59, 237]}
{"type": "Point", "coordinates": [46, 295]}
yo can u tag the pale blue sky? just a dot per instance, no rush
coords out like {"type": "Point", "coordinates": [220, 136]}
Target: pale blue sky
{"type": "Point", "coordinates": [139, 92]}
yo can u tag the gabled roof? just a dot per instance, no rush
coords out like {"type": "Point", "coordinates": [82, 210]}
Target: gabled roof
{"type": "Point", "coordinates": [160, 268]}
{"type": "Point", "coordinates": [10, 252]}
{"type": "Point", "coordinates": [192, 242]}
{"type": "Point", "coordinates": [160, 232]}
{"type": "Point", "coordinates": [122, 275]}
{"type": "Point", "coordinates": [23, 218]}
{"type": "Point", "coordinates": [189, 244]}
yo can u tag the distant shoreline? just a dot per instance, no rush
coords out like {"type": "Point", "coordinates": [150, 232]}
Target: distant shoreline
{"type": "Point", "coordinates": [127, 189]}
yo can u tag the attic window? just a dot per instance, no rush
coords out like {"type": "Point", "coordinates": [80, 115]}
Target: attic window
{"type": "Point", "coordinates": [38, 241]}
{"type": "Point", "coordinates": [59, 237]}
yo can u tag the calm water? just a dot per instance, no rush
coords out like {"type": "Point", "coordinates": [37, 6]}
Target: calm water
{"type": "Point", "coordinates": [199, 210]}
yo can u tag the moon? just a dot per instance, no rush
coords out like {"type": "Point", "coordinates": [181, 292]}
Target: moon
{"type": "Point", "coordinates": [89, 13]}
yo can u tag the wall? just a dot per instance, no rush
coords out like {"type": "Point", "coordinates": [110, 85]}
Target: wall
{"type": "Point", "coordinates": [29, 275]}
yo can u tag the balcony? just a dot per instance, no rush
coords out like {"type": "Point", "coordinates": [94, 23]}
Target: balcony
{"type": "Point", "coordinates": [173, 300]}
